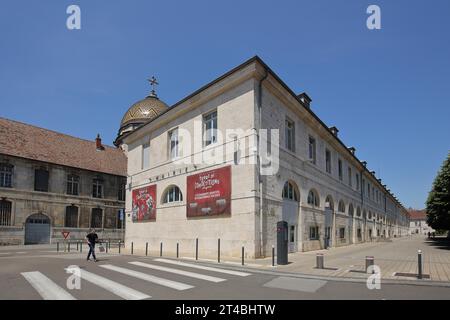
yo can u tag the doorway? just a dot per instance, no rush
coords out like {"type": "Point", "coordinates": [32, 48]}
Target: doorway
{"type": "Point", "coordinates": [37, 229]}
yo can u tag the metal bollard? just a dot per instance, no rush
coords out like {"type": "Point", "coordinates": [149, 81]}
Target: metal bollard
{"type": "Point", "coordinates": [369, 262]}
{"type": "Point", "coordinates": [81, 247]}
{"type": "Point", "coordinates": [160, 249]}
{"type": "Point", "coordinates": [178, 248]}
{"type": "Point", "coordinates": [196, 249]}
{"type": "Point", "coordinates": [319, 261]}
{"type": "Point", "coordinates": [77, 245]}
{"type": "Point", "coordinates": [419, 266]}
{"type": "Point", "coordinates": [119, 246]}
{"type": "Point", "coordinates": [146, 249]}
{"type": "Point", "coordinates": [68, 246]}
{"type": "Point", "coordinates": [107, 246]}
{"type": "Point", "coordinates": [218, 250]}
{"type": "Point", "coordinates": [57, 247]}
{"type": "Point", "coordinates": [131, 247]}
{"type": "Point", "coordinates": [273, 256]}
{"type": "Point", "coordinates": [242, 255]}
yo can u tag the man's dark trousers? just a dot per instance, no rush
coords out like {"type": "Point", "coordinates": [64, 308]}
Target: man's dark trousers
{"type": "Point", "coordinates": [91, 251]}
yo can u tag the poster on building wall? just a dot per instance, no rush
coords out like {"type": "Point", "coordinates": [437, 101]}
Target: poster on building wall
{"type": "Point", "coordinates": [209, 193]}
{"type": "Point", "coordinates": [144, 204]}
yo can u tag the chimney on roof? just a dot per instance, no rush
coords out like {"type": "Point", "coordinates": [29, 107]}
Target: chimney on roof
{"type": "Point", "coordinates": [305, 99]}
{"type": "Point", "coordinates": [352, 150]}
{"type": "Point", "coordinates": [98, 143]}
{"type": "Point", "coordinates": [364, 163]}
{"type": "Point", "coordinates": [334, 131]}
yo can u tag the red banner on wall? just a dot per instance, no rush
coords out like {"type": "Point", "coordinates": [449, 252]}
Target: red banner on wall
{"type": "Point", "coordinates": [209, 193]}
{"type": "Point", "coordinates": [144, 203]}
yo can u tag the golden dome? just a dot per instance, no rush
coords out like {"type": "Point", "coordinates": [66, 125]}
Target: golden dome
{"type": "Point", "coordinates": [144, 110]}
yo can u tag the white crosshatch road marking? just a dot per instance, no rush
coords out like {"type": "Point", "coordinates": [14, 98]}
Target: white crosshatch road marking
{"type": "Point", "coordinates": [180, 272]}
{"type": "Point", "coordinates": [190, 265]}
{"type": "Point", "coordinates": [46, 288]}
{"type": "Point", "coordinates": [143, 276]}
{"type": "Point", "coordinates": [114, 287]}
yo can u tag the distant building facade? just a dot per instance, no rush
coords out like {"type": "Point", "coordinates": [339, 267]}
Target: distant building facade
{"type": "Point", "coordinates": [51, 182]}
{"type": "Point", "coordinates": [327, 195]}
{"type": "Point", "coordinates": [418, 222]}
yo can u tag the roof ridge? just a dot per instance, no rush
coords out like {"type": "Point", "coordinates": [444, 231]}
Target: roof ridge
{"type": "Point", "coordinates": [54, 131]}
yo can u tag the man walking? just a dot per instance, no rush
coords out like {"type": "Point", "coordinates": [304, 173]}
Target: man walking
{"type": "Point", "coordinates": [92, 238]}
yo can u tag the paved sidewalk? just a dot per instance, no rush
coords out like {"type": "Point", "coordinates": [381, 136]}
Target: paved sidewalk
{"type": "Point", "coordinates": [398, 256]}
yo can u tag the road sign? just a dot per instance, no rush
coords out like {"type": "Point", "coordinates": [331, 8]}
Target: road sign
{"type": "Point", "coordinates": [65, 234]}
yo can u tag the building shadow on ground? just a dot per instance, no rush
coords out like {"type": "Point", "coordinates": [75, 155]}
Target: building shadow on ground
{"type": "Point", "coordinates": [440, 242]}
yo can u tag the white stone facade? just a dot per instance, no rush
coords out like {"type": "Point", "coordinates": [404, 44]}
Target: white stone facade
{"type": "Point", "coordinates": [249, 98]}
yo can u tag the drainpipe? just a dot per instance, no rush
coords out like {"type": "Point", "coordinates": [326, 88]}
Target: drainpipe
{"type": "Point", "coordinates": [260, 183]}
{"type": "Point", "coordinates": [362, 205]}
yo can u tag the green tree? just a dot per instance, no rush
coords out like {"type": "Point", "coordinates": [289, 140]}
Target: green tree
{"type": "Point", "coordinates": [438, 202]}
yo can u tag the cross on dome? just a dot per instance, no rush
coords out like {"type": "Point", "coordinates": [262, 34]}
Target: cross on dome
{"type": "Point", "coordinates": [153, 83]}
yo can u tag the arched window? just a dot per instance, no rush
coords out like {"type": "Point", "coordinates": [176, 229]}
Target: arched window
{"type": "Point", "coordinates": [71, 219]}
{"type": "Point", "coordinates": [96, 218]}
{"type": "Point", "coordinates": [172, 194]}
{"type": "Point", "coordinates": [329, 203]}
{"type": "Point", "coordinates": [313, 198]}
{"type": "Point", "coordinates": [358, 212]}
{"type": "Point", "coordinates": [370, 215]}
{"type": "Point", "coordinates": [341, 206]}
{"type": "Point", "coordinates": [5, 213]}
{"type": "Point", "coordinates": [290, 191]}
{"type": "Point", "coordinates": [350, 210]}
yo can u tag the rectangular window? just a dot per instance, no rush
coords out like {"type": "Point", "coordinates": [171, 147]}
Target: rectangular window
{"type": "Point", "coordinates": [357, 181]}
{"type": "Point", "coordinates": [328, 160]}
{"type": "Point", "coordinates": [72, 184]}
{"type": "Point", "coordinates": [146, 156]}
{"type": "Point", "coordinates": [41, 180]}
{"type": "Point", "coordinates": [210, 128]}
{"type": "Point", "coordinates": [312, 149]}
{"type": "Point", "coordinates": [97, 188]}
{"type": "Point", "coordinates": [358, 233]}
{"type": "Point", "coordinates": [290, 135]}
{"type": "Point", "coordinates": [350, 178]}
{"type": "Point", "coordinates": [71, 219]}
{"type": "Point", "coordinates": [121, 191]}
{"type": "Point", "coordinates": [5, 213]}
{"type": "Point", "coordinates": [292, 234]}
{"type": "Point", "coordinates": [368, 190]}
{"type": "Point", "coordinates": [340, 169]}
{"type": "Point", "coordinates": [174, 151]}
{"type": "Point", "coordinates": [6, 175]}
{"type": "Point", "coordinates": [96, 218]}
{"type": "Point", "coordinates": [313, 233]}
{"type": "Point", "coordinates": [342, 233]}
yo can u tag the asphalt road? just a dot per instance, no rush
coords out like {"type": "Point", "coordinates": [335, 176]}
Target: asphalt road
{"type": "Point", "coordinates": [40, 273]}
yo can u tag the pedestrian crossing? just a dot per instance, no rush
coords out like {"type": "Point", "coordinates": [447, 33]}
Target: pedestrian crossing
{"type": "Point", "coordinates": [46, 288]}
{"type": "Point", "coordinates": [115, 279]}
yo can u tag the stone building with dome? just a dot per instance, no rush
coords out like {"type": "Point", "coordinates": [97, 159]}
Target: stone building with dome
{"type": "Point", "coordinates": [199, 172]}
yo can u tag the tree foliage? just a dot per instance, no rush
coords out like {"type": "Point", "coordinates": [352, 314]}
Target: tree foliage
{"type": "Point", "coordinates": [438, 202]}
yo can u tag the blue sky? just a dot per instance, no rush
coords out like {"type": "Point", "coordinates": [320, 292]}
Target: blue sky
{"type": "Point", "coordinates": [387, 90]}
